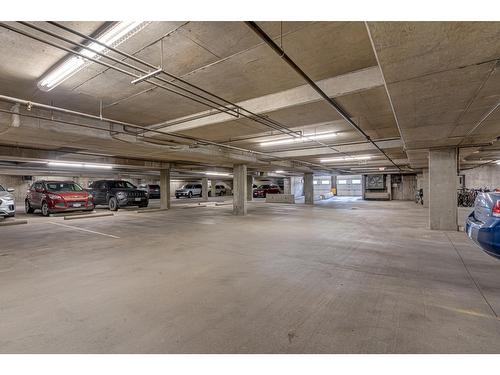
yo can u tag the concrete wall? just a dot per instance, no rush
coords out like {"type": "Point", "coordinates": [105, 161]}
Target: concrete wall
{"type": "Point", "coordinates": [297, 186]}
{"type": "Point", "coordinates": [486, 176]}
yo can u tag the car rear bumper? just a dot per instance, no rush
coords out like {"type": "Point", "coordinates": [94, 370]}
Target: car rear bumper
{"type": "Point", "coordinates": [485, 235]}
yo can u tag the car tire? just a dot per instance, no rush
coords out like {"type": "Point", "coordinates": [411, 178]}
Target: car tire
{"type": "Point", "coordinates": [143, 205]}
{"type": "Point", "coordinates": [113, 204]}
{"type": "Point", "coordinates": [45, 209]}
{"type": "Point", "coordinates": [28, 208]}
{"type": "Point", "coordinates": [190, 195]}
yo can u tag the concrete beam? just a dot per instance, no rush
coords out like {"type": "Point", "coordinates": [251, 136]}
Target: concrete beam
{"type": "Point", "coordinates": [349, 83]}
{"type": "Point", "coordinates": [357, 147]}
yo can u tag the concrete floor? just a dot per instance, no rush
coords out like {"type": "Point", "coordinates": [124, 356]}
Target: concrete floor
{"type": "Point", "coordinates": [344, 276]}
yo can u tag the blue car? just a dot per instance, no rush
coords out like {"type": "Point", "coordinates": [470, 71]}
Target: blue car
{"type": "Point", "coordinates": [483, 224]}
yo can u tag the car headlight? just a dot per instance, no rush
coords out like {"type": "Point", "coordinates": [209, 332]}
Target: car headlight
{"type": "Point", "coordinates": [90, 196]}
{"type": "Point", "coordinates": [54, 196]}
{"type": "Point", "coordinates": [120, 194]}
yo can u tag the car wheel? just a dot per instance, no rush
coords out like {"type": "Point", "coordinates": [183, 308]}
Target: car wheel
{"type": "Point", "coordinates": [113, 204]}
{"type": "Point", "coordinates": [190, 195]}
{"type": "Point", "coordinates": [27, 207]}
{"type": "Point", "coordinates": [45, 209]}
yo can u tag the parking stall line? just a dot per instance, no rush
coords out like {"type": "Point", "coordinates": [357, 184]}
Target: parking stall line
{"type": "Point", "coordinates": [84, 230]}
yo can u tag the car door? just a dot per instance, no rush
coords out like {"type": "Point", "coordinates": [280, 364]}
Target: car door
{"type": "Point", "coordinates": [197, 190]}
{"type": "Point", "coordinates": [37, 195]}
{"type": "Point", "coordinates": [100, 190]}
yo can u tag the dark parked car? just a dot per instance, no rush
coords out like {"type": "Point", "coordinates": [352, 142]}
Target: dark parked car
{"type": "Point", "coordinates": [57, 196]}
{"type": "Point", "coordinates": [189, 191]}
{"type": "Point", "coordinates": [153, 190]}
{"type": "Point", "coordinates": [483, 224]}
{"type": "Point", "coordinates": [118, 193]}
{"type": "Point", "coordinates": [263, 190]}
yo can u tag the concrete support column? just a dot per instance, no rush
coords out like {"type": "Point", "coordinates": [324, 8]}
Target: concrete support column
{"type": "Point", "coordinates": [363, 186]}
{"type": "Point", "coordinates": [388, 185]}
{"type": "Point", "coordinates": [204, 188]}
{"type": "Point", "coordinates": [308, 188]}
{"type": "Point", "coordinates": [213, 191]}
{"type": "Point", "coordinates": [443, 189]}
{"type": "Point", "coordinates": [240, 190]}
{"type": "Point", "coordinates": [425, 186]}
{"type": "Point", "coordinates": [165, 189]}
{"type": "Point", "coordinates": [249, 188]}
{"type": "Point", "coordinates": [334, 183]}
{"type": "Point", "coordinates": [287, 185]}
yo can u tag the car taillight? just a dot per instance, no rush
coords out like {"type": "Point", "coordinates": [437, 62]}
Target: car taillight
{"type": "Point", "coordinates": [495, 211]}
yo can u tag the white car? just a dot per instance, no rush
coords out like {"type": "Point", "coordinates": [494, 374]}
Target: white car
{"type": "Point", "coordinates": [7, 203]}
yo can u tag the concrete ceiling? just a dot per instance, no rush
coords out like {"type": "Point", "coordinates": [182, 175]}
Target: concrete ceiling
{"type": "Point", "coordinates": [442, 79]}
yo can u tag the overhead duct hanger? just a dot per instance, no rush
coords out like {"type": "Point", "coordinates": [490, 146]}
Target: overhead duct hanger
{"type": "Point", "coordinates": [145, 77]}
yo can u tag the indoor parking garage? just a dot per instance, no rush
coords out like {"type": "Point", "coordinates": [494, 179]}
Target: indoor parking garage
{"type": "Point", "coordinates": [249, 187]}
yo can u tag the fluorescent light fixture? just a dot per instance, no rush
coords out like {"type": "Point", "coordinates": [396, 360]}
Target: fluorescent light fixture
{"type": "Point", "coordinates": [217, 173]}
{"type": "Point", "coordinates": [498, 162]}
{"type": "Point", "coordinates": [280, 171]}
{"type": "Point", "coordinates": [304, 138]}
{"type": "Point", "coordinates": [112, 37]}
{"type": "Point", "coordinates": [78, 165]}
{"type": "Point", "coordinates": [345, 158]}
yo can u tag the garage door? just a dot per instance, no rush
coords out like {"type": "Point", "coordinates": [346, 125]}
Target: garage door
{"type": "Point", "coordinates": [349, 186]}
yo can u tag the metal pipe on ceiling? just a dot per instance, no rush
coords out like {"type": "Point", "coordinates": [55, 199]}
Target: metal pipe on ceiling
{"type": "Point", "coordinates": [235, 112]}
{"type": "Point", "coordinates": [135, 75]}
{"type": "Point", "coordinates": [241, 111]}
{"type": "Point", "coordinates": [270, 42]}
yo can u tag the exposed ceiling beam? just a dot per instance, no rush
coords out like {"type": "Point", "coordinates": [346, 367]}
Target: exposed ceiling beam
{"type": "Point", "coordinates": [349, 83]}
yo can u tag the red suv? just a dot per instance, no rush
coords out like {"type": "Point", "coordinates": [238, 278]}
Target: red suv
{"type": "Point", "coordinates": [263, 190]}
{"type": "Point", "coordinates": [57, 196]}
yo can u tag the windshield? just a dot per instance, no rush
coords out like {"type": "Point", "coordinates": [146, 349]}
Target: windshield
{"type": "Point", "coordinates": [188, 186]}
{"type": "Point", "coordinates": [264, 187]}
{"type": "Point", "coordinates": [63, 186]}
{"type": "Point", "coordinates": [1, 188]}
{"type": "Point", "coordinates": [121, 185]}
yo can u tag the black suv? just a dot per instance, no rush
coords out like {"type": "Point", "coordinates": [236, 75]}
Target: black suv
{"type": "Point", "coordinates": [117, 193]}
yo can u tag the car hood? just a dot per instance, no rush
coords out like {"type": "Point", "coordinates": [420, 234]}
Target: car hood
{"type": "Point", "coordinates": [70, 194]}
{"type": "Point", "coordinates": [181, 190]}
{"type": "Point", "coordinates": [6, 194]}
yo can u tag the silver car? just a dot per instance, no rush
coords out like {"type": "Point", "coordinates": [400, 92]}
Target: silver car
{"type": "Point", "coordinates": [189, 191]}
{"type": "Point", "coordinates": [7, 203]}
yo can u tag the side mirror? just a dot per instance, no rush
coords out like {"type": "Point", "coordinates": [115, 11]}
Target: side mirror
{"type": "Point", "coordinates": [10, 190]}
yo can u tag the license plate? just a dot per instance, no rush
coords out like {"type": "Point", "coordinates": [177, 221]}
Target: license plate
{"type": "Point", "coordinates": [137, 199]}
{"type": "Point", "coordinates": [77, 204]}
